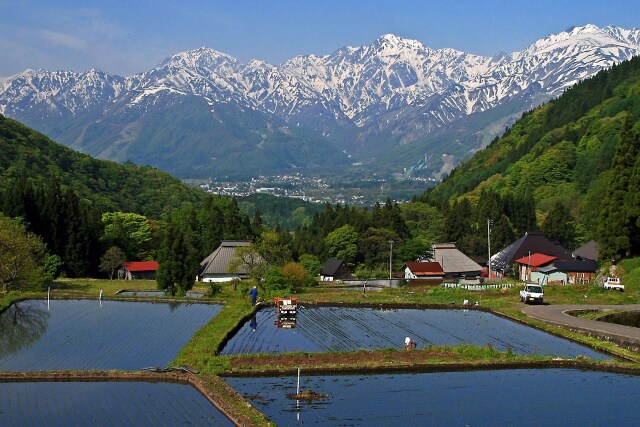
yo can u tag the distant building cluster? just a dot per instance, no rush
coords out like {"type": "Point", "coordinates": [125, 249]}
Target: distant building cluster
{"type": "Point", "coordinates": [312, 189]}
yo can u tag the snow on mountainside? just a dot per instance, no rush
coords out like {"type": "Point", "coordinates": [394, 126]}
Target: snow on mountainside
{"type": "Point", "coordinates": [395, 87]}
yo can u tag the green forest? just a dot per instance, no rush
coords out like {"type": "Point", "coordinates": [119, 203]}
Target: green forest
{"type": "Point", "coordinates": [569, 168]}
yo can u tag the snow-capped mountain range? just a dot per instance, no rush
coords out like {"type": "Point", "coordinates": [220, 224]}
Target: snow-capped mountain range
{"type": "Point", "coordinates": [363, 100]}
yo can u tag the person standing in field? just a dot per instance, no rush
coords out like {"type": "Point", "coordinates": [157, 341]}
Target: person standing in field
{"type": "Point", "coordinates": [254, 295]}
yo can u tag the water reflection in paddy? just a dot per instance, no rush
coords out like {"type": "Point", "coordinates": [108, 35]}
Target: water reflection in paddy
{"type": "Point", "coordinates": [511, 397]}
{"type": "Point", "coordinates": [322, 329]}
{"type": "Point", "coordinates": [105, 404]}
{"type": "Point", "coordinates": [87, 334]}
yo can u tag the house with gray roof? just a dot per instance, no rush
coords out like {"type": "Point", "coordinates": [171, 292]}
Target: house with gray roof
{"type": "Point", "coordinates": [531, 243]}
{"type": "Point", "coordinates": [334, 269]}
{"type": "Point", "coordinates": [214, 268]}
{"type": "Point", "coordinates": [588, 251]}
{"type": "Point", "coordinates": [454, 263]}
{"type": "Point", "coordinates": [578, 272]}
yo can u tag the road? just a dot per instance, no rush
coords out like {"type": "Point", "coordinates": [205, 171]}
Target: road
{"type": "Point", "coordinates": [557, 314]}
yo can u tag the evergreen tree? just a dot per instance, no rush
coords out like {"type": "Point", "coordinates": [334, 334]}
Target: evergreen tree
{"type": "Point", "coordinates": [256, 223]}
{"type": "Point", "coordinates": [521, 211]}
{"type": "Point", "coordinates": [559, 226]}
{"type": "Point", "coordinates": [178, 259]}
{"type": "Point", "coordinates": [633, 206]}
{"type": "Point", "coordinates": [458, 219]}
{"type": "Point", "coordinates": [613, 228]}
{"type": "Point", "coordinates": [51, 210]}
{"type": "Point", "coordinates": [81, 250]}
{"type": "Point", "coordinates": [236, 225]}
{"type": "Point", "coordinates": [213, 227]}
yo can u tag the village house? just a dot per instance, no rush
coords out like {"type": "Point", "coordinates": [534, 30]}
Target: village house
{"type": "Point", "coordinates": [214, 268]}
{"type": "Point", "coordinates": [454, 263]}
{"type": "Point", "coordinates": [549, 274]}
{"type": "Point", "coordinates": [138, 270]}
{"type": "Point", "coordinates": [578, 272]}
{"type": "Point", "coordinates": [423, 270]}
{"type": "Point", "coordinates": [335, 269]}
{"type": "Point", "coordinates": [588, 251]}
{"type": "Point", "coordinates": [532, 263]}
{"type": "Point", "coordinates": [502, 263]}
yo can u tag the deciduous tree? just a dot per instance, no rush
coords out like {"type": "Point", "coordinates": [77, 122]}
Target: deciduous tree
{"type": "Point", "coordinates": [22, 255]}
{"type": "Point", "coordinates": [112, 259]}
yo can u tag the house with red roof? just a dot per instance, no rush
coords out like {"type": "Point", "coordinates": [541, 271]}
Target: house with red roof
{"type": "Point", "coordinates": [139, 270]}
{"type": "Point", "coordinates": [533, 262]}
{"type": "Point", "coordinates": [423, 270]}
{"type": "Point", "coordinates": [503, 263]}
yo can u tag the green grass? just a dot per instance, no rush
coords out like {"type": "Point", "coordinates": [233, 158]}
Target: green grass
{"type": "Point", "coordinates": [92, 287]}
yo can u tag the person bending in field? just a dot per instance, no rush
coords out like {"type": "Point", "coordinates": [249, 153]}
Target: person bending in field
{"type": "Point", "coordinates": [409, 344]}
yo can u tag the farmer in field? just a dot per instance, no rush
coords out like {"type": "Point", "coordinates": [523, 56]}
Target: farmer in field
{"type": "Point", "coordinates": [254, 295]}
{"type": "Point", "coordinates": [409, 344]}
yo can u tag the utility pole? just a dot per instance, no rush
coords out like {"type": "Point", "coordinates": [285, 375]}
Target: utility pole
{"type": "Point", "coordinates": [390, 257]}
{"type": "Point", "coordinates": [489, 224]}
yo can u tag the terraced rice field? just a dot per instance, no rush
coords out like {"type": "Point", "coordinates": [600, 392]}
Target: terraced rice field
{"type": "Point", "coordinates": [523, 397]}
{"type": "Point", "coordinates": [105, 404]}
{"type": "Point", "coordinates": [89, 335]}
{"type": "Point", "coordinates": [323, 329]}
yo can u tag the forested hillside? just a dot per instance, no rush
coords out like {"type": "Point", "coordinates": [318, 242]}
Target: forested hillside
{"type": "Point", "coordinates": [285, 212]}
{"type": "Point", "coordinates": [577, 154]}
{"type": "Point", "coordinates": [92, 215]}
{"type": "Point", "coordinates": [107, 185]}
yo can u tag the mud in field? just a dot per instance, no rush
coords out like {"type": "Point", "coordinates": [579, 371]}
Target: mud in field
{"type": "Point", "coordinates": [93, 335]}
{"type": "Point", "coordinates": [326, 329]}
{"type": "Point", "coordinates": [524, 397]}
{"type": "Point", "coordinates": [361, 358]}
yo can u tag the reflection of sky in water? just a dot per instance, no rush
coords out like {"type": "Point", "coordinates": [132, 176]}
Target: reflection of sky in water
{"type": "Point", "coordinates": [106, 404]}
{"type": "Point", "coordinates": [321, 329]}
{"type": "Point", "coordinates": [511, 397]}
{"type": "Point", "coordinates": [87, 334]}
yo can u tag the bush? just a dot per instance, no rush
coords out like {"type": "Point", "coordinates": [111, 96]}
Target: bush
{"type": "Point", "coordinates": [214, 288]}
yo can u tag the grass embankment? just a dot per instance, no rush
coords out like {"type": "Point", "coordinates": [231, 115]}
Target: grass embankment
{"type": "Point", "coordinates": [70, 288]}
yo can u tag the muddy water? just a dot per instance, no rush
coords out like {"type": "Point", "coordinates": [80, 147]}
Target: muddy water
{"type": "Point", "coordinates": [87, 334]}
{"type": "Point", "coordinates": [630, 318]}
{"type": "Point", "coordinates": [105, 404]}
{"type": "Point", "coordinates": [322, 329]}
{"type": "Point", "coordinates": [512, 397]}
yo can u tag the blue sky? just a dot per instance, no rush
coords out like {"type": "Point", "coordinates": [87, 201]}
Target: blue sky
{"type": "Point", "coordinates": [126, 37]}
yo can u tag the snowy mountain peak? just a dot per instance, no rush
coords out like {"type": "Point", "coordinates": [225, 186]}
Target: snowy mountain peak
{"type": "Point", "coordinates": [395, 43]}
{"type": "Point", "coordinates": [395, 89]}
{"type": "Point", "coordinates": [590, 36]}
{"type": "Point", "coordinates": [203, 57]}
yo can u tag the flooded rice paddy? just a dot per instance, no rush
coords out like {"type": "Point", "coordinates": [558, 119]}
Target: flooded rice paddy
{"type": "Point", "coordinates": [629, 318]}
{"type": "Point", "coordinates": [88, 334]}
{"type": "Point", "coordinates": [511, 397]}
{"type": "Point", "coordinates": [323, 329]}
{"type": "Point", "coordinates": [105, 404]}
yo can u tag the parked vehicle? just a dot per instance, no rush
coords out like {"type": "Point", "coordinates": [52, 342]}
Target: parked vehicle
{"type": "Point", "coordinates": [613, 284]}
{"type": "Point", "coordinates": [532, 293]}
